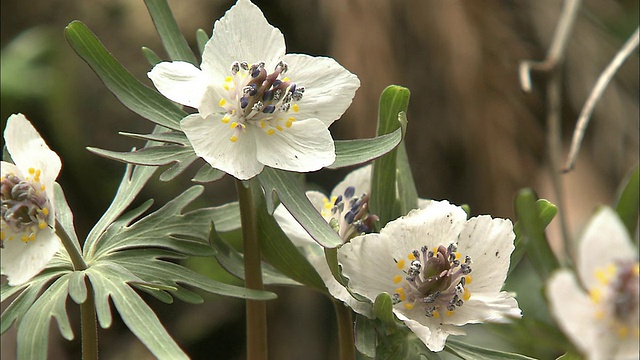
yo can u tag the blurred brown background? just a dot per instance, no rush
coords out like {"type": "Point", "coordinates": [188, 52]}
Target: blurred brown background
{"type": "Point", "coordinates": [474, 137]}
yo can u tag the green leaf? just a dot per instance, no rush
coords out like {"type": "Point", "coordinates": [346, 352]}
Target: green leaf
{"type": "Point", "coordinates": [135, 177]}
{"type": "Point", "coordinates": [472, 352]}
{"type": "Point", "coordinates": [151, 56]}
{"type": "Point", "coordinates": [22, 303]}
{"type": "Point", "coordinates": [208, 174]}
{"type": "Point", "coordinates": [110, 281]}
{"type": "Point", "coordinates": [366, 336]}
{"type": "Point", "coordinates": [407, 192]}
{"type": "Point", "coordinates": [168, 227]}
{"type": "Point", "coordinates": [131, 92]}
{"type": "Point", "coordinates": [201, 38]}
{"type": "Point", "coordinates": [627, 203]}
{"type": "Point", "coordinates": [293, 197]}
{"type": "Point", "coordinates": [227, 217]}
{"type": "Point", "coordinates": [233, 261]}
{"type": "Point", "coordinates": [148, 266]}
{"type": "Point", "coordinates": [353, 152]}
{"type": "Point", "coordinates": [570, 356]}
{"type": "Point", "coordinates": [167, 28]}
{"type": "Point", "coordinates": [278, 250]}
{"type": "Point", "coordinates": [171, 137]}
{"type": "Point", "coordinates": [383, 308]}
{"type": "Point", "coordinates": [33, 330]}
{"type": "Point", "coordinates": [546, 212]}
{"type": "Point", "coordinates": [77, 287]}
{"type": "Point", "coordinates": [532, 217]}
{"type": "Point", "coordinates": [383, 202]}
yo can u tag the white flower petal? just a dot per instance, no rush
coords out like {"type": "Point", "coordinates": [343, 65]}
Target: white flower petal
{"type": "Point", "coordinates": [437, 224]}
{"type": "Point", "coordinates": [305, 146]}
{"type": "Point", "coordinates": [368, 263]}
{"type": "Point", "coordinates": [179, 81]}
{"type": "Point", "coordinates": [20, 261]}
{"type": "Point", "coordinates": [486, 307]}
{"type": "Point", "coordinates": [242, 34]}
{"type": "Point", "coordinates": [604, 242]}
{"type": "Point", "coordinates": [210, 140]}
{"type": "Point", "coordinates": [28, 150]}
{"type": "Point", "coordinates": [360, 179]}
{"type": "Point", "coordinates": [573, 310]}
{"type": "Point", "coordinates": [433, 336]}
{"type": "Point", "coordinates": [329, 87]}
{"type": "Point", "coordinates": [489, 243]}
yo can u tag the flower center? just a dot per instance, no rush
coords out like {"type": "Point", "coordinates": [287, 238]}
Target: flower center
{"type": "Point", "coordinates": [434, 279]}
{"type": "Point", "coordinates": [348, 214]}
{"type": "Point", "coordinates": [25, 207]}
{"type": "Point", "coordinates": [617, 297]}
{"type": "Point", "coordinates": [255, 97]}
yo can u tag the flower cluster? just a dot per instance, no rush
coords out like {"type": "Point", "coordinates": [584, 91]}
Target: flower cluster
{"type": "Point", "coordinates": [27, 238]}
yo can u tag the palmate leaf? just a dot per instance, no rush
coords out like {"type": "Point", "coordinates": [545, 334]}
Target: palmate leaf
{"type": "Point", "coordinates": [33, 331]}
{"type": "Point", "coordinates": [111, 281]}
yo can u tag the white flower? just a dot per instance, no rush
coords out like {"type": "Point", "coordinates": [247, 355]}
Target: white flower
{"type": "Point", "coordinates": [347, 210]}
{"type": "Point", "coordinates": [249, 113]}
{"type": "Point", "coordinates": [425, 259]}
{"type": "Point", "coordinates": [28, 239]}
{"type": "Point", "coordinates": [603, 321]}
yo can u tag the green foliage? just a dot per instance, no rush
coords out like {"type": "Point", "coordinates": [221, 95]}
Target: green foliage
{"type": "Point", "coordinates": [365, 336]}
{"type": "Point", "coordinates": [533, 217]}
{"type": "Point", "coordinates": [383, 308]}
{"type": "Point", "coordinates": [627, 202]}
{"type": "Point", "coordinates": [293, 197]}
{"type": "Point", "coordinates": [124, 253]}
{"type": "Point", "coordinates": [201, 38]}
{"type": "Point", "coordinates": [393, 101]}
{"type": "Point", "coordinates": [354, 152]}
{"type": "Point", "coordinates": [132, 93]}
{"type": "Point", "coordinates": [172, 39]}
{"type": "Point", "coordinates": [472, 352]}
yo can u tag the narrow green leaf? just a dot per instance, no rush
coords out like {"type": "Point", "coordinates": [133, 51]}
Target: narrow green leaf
{"type": "Point", "coordinates": [472, 352]}
{"type": "Point", "coordinates": [33, 330]}
{"type": "Point", "coordinates": [366, 336]}
{"type": "Point", "coordinates": [208, 174]}
{"type": "Point", "coordinates": [353, 152]}
{"type": "Point", "coordinates": [293, 197]}
{"type": "Point", "coordinates": [201, 38]}
{"type": "Point", "coordinates": [179, 166]}
{"type": "Point", "coordinates": [167, 28]}
{"type": "Point", "coordinates": [383, 308]}
{"type": "Point", "coordinates": [407, 192]}
{"type": "Point", "coordinates": [627, 203]}
{"type": "Point", "coordinates": [148, 266]}
{"type": "Point", "coordinates": [131, 92]}
{"type": "Point", "coordinates": [227, 217]}
{"type": "Point", "coordinates": [171, 137]}
{"type": "Point", "coordinates": [151, 56]}
{"type": "Point", "coordinates": [149, 156]}
{"type": "Point", "coordinates": [233, 261]}
{"type": "Point", "coordinates": [393, 101]}
{"type": "Point", "coordinates": [530, 232]}
{"type": "Point", "coordinates": [278, 250]}
{"type": "Point", "coordinates": [111, 282]}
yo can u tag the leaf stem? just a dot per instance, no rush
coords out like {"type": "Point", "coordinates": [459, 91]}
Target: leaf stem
{"type": "Point", "coordinates": [89, 325]}
{"type": "Point", "coordinates": [256, 310]}
{"type": "Point", "coordinates": [345, 331]}
{"type": "Point", "coordinates": [74, 253]}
